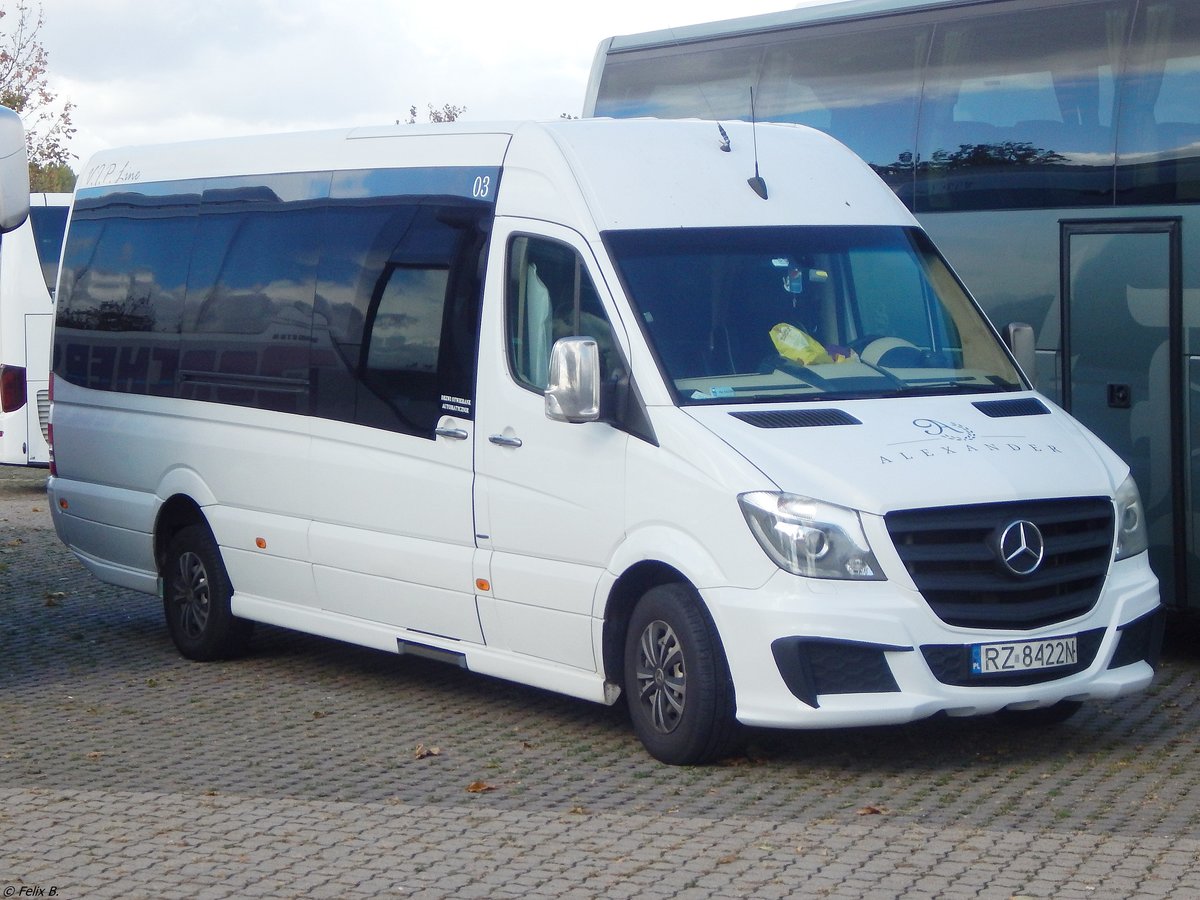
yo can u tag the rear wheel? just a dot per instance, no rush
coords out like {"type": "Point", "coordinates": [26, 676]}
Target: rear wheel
{"type": "Point", "coordinates": [677, 682]}
{"type": "Point", "coordinates": [196, 594]}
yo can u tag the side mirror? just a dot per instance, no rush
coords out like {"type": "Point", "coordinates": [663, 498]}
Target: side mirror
{"type": "Point", "coordinates": [1019, 338]}
{"type": "Point", "coordinates": [573, 389]}
{"type": "Point", "coordinates": [14, 172]}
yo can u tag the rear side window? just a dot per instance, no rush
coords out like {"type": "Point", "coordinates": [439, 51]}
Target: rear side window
{"type": "Point", "coordinates": [247, 325]}
{"type": "Point", "coordinates": [273, 294]}
{"type": "Point", "coordinates": [124, 277]}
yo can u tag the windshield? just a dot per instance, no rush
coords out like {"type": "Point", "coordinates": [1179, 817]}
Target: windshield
{"type": "Point", "coordinates": [770, 314]}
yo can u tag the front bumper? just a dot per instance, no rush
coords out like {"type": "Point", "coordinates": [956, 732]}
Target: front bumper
{"type": "Point", "coordinates": [811, 654]}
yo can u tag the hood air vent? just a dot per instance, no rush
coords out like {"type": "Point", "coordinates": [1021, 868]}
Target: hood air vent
{"type": "Point", "coordinates": [1011, 409]}
{"type": "Point", "coordinates": [797, 418]}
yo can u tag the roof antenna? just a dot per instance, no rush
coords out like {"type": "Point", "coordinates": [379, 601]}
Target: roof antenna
{"type": "Point", "coordinates": [725, 147]}
{"type": "Point", "coordinates": [756, 183]}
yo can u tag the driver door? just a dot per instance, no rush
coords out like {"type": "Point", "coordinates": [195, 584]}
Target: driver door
{"type": "Point", "coordinates": [549, 496]}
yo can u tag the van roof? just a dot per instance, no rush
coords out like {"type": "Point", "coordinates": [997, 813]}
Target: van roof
{"type": "Point", "coordinates": [592, 173]}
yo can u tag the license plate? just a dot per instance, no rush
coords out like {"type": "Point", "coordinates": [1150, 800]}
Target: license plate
{"type": "Point", "coordinates": [1023, 656]}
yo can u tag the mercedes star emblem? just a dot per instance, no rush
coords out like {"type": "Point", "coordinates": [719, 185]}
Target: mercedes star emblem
{"type": "Point", "coordinates": [1022, 547]}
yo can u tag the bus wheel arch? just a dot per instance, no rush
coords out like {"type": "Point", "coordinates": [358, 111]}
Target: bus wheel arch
{"type": "Point", "coordinates": [196, 588]}
{"type": "Point", "coordinates": [177, 513]}
{"type": "Point", "coordinates": [662, 646]}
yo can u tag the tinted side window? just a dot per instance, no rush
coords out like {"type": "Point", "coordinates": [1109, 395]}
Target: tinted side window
{"type": "Point", "coordinates": [402, 346]}
{"type": "Point", "coordinates": [122, 289]}
{"type": "Point", "coordinates": [274, 295]}
{"type": "Point", "coordinates": [1018, 109]}
{"type": "Point", "coordinates": [247, 328]}
{"type": "Point", "coordinates": [359, 237]}
{"type": "Point", "coordinates": [1159, 148]}
{"type": "Point", "coordinates": [397, 313]}
{"type": "Point", "coordinates": [48, 224]}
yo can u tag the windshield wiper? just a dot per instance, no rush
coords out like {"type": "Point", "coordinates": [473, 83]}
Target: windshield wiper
{"type": "Point", "coordinates": [951, 386]}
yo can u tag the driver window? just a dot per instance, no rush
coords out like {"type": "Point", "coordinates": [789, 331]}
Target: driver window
{"type": "Point", "coordinates": [550, 296]}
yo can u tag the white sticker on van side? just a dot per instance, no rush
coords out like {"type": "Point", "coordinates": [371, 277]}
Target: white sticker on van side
{"type": "Point", "coordinates": [460, 405]}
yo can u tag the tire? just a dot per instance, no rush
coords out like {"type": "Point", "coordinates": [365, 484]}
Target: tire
{"type": "Point", "coordinates": [196, 594]}
{"type": "Point", "coordinates": [1040, 716]}
{"type": "Point", "coordinates": [677, 682]}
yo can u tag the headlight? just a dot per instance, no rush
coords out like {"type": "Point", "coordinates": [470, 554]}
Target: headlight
{"type": "Point", "coordinates": [1131, 521]}
{"type": "Point", "coordinates": [810, 538]}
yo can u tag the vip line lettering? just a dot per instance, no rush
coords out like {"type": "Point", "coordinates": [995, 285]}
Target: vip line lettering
{"type": "Point", "coordinates": [112, 173]}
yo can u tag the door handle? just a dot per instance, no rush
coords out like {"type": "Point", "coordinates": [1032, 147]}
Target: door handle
{"type": "Point", "coordinates": [457, 434]}
{"type": "Point", "coordinates": [1120, 396]}
{"type": "Point", "coordinates": [503, 440]}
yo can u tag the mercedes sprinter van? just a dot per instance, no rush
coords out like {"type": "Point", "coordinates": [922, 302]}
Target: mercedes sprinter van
{"type": "Point", "coordinates": [685, 412]}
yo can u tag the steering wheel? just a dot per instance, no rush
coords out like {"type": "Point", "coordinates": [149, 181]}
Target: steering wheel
{"type": "Point", "coordinates": [875, 350]}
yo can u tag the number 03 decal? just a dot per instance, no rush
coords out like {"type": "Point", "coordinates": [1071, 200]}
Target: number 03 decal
{"type": "Point", "coordinates": [482, 186]}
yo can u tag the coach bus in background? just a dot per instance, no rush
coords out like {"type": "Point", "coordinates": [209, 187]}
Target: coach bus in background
{"type": "Point", "coordinates": [1052, 150]}
{"type": "Point", "coordinates": [28, 268]}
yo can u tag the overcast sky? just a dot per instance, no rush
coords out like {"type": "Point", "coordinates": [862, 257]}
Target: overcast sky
{"type": "Point", "coordinates": [146, 71]}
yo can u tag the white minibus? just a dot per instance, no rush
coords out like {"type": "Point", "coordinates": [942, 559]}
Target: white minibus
{"type": "Point", "coordinates": [686, 412]}
{"type": "Point", "coordinates": [28, 268]}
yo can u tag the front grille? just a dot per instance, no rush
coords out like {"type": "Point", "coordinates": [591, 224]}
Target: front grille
{"type": "Point", "coordinates": [953, 556]}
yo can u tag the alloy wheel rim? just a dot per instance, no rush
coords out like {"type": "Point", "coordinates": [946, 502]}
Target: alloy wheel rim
{"type": "Point", "coordinates": [192, 596]}
{"type": "Point", "coordinates": [661, 676]}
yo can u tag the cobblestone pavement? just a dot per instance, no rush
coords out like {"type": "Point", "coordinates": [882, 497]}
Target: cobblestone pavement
{"type": "Point", "coordinates": [314, 769]}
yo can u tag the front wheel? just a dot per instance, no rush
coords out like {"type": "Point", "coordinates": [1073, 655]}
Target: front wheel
{"type": "Point", "coordinates": [196, 594]}
{"type": "Point", "coordinates": [677, 682]}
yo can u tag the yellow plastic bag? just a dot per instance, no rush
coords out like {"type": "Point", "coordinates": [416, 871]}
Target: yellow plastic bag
{"type": "Point", "coordinates": [794, 344]}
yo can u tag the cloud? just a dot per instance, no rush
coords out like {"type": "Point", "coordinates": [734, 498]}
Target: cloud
{"type": "Point", "coordinates": [165, 70]}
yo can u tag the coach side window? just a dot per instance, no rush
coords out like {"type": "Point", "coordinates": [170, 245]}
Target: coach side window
{"type": "Point", "coordinates": [1018, 107]}
{"type": "Point", "coordinates": [1159, 144]}
{"type": "Point", "coordinates": [49, 223]}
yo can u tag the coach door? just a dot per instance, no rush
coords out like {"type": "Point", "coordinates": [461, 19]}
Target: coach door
{"type": "Point", "coordinates": [1122, 373]}
{"type": "Point", "coordinates": [38, 329]}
